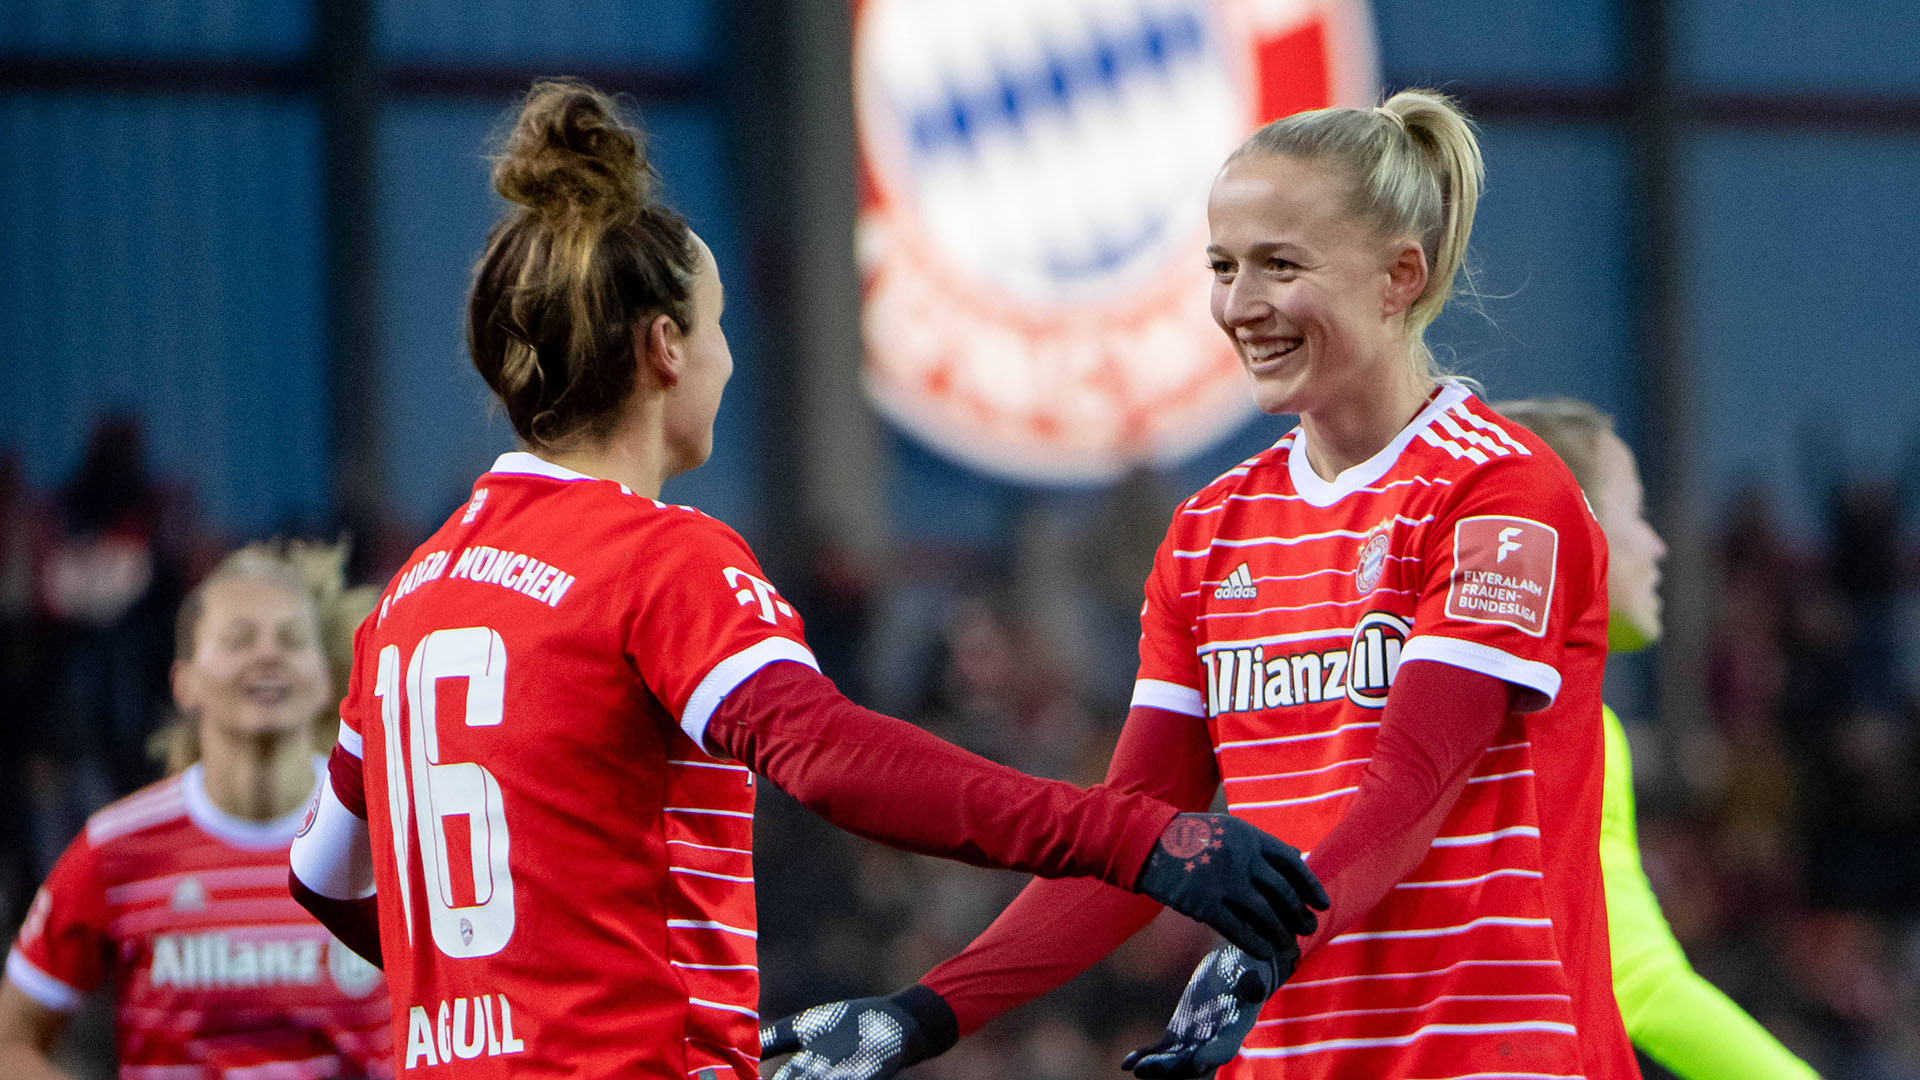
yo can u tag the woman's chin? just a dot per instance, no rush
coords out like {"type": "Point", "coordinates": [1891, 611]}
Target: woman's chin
{"type": "Point", "coordinates": [251, 725]}
{"type": "Point", "coordinates": [1625, 635]}
{"type": "Point", "coordinates": [1272, 398]}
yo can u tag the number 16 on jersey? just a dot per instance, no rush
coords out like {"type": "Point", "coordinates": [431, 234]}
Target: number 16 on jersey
{"type": "Point", "coordinates": [420, 784]}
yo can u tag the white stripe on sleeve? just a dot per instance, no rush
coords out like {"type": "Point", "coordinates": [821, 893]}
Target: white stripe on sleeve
{"type": "Point", "coordinates": [333, 856]}
{"type": "Point", "coordinates": [730, 673]}
{"type": "Point", "coordinates": [1159, 694]}
{"type": "Point", "coordinates": [40, 986]}
{"type": "Point", "coordinates": [350, 740]}
{"type": "Point", "coordinates": [708, 924]}
{"type": "Point", "coordinates": [1487, 660]}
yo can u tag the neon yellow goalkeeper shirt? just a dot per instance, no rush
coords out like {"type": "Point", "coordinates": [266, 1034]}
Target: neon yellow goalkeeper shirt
{"type": "Point", "coordinates": [1678, 1018]}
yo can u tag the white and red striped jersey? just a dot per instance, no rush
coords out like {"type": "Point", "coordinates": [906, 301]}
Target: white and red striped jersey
{"type": "Point", "coordinates": [564, 871]}
{"type": "Point", "coordinates": [215, 972]}
{"type": "Point", "coordinates": [1280, 606]}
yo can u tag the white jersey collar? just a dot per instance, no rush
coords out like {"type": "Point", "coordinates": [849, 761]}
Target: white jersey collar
{"type": "Point", "coordinates": [241, 833]}
{"type": "Point", "coordinates": [1318, 492]}
{"type": "Point", "coordinates": [525, 464]}
{"type": "Point", "coordinates": [519, 461]}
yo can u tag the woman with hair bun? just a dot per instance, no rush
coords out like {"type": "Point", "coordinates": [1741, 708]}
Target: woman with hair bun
{"type": "Point", "coordinates": [1384, 636]}
{"type": "Point", "coordinates": [543, 788]}
{"type": "Point", "coordinates": [173, 895]}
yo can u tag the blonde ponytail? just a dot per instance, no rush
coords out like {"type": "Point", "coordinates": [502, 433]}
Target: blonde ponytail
{"type": "Point", "coordinates": [1444, 137]}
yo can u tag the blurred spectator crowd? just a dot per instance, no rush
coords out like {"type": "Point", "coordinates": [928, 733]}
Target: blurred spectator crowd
{"type": "Point", "coordinates": [1781, 832]}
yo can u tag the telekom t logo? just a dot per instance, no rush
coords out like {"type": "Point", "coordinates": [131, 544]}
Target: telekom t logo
{"type": "Point", "coordinates": [1508, 545]}
{"type": "Point", "coordinates": [748, 588]}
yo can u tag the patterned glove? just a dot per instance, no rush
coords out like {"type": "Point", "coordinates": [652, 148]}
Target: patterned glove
{"type": "Point", "coordinates": [1216, 1011]}
{"type": "Point", "coordinates": [864, 1039]}
{"type": "Point", "coordinates": [1235, 878]}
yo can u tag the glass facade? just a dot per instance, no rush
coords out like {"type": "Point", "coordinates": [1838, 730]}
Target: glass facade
{"type": "Point", "coordinates": [167, 242]}
{"type": "Point", "coordinates": [162, 258]}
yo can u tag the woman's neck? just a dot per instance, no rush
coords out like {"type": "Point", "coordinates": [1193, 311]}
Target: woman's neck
{"type": "Point", "coordinates": [257, 778]}
{"type": "Point", "coordinates": [640, 464]}
{"type": "Point", "coordinates": [1348, 432]}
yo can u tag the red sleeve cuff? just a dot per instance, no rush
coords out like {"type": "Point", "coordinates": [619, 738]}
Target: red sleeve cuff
{"type": "Point", "coordinates": [355, 922]}
{"type": "Point", "coordinates": [349, 781]}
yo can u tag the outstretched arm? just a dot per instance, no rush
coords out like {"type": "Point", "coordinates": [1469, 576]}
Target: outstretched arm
{"type": "Point", "coordinates": [1054, 930]}
{"type": "Point", "coordinates": [887, 780]}
{"type": "Point", "coordinates": [1438, 719]}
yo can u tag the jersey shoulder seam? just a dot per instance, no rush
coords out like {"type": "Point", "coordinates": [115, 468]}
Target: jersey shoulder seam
{"type": "Point", "coordinates": [1239, 478]}
{"type": "Point", "coordinates": [155, 805]}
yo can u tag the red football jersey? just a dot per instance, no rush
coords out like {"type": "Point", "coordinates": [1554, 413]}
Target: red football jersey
{"type": "Point", "coordinates": [1278, 609]}
{"type": "Point", "coordinates": [215, 971]}
{"type": "Point", "coordinates": [565, 873]}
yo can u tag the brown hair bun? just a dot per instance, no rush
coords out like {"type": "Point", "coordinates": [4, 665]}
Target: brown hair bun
{"type": "Point", "coordinates": [585, 255]}
{"type": "Point", "coordinates": [572, 153]}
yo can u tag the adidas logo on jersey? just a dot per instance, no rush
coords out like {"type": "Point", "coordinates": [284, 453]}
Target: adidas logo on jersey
{"type": "Point", "coordinates": [189, 895]}
{"type": "Point", "coordinates": [1238, 586]}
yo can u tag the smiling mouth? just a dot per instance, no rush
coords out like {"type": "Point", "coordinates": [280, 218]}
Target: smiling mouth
{"type": "Point", "coordinates": [267, 693]}
{"type": "Point", "coordinates": [1266, 354]}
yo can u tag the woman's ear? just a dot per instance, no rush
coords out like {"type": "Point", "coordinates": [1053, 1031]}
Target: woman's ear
{"type": "Point", "coordinates": [657, 348]}
{"type": "Point", "coordinates": [185, 694]}
{"type": "Point", "coordinates": [1406, 279]}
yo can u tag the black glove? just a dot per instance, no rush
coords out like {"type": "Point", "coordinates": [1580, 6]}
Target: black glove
{"type": "Point", "coordinates": [864, 1039]}
{"type": "Point", "coordinates": [1228, 874]}
{"type": "Point", "coordinates": [1216, 1011]}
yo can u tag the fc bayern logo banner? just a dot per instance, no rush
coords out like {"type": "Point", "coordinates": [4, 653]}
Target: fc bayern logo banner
{"type": "Point", "coordinates": [1033, 182]}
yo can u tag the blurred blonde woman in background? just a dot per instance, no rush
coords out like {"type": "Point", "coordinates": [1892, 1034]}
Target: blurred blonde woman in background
{"type": "Point", "coordinates": [175, 896]}
{"type": "Point", "coordinates": [1672, 1014]}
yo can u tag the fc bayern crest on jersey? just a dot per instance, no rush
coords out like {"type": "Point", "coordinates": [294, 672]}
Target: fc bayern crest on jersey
{"type": "Point", "coordinates": [313, 810]}
{"type": "Point", "coordinates": [1033, 213]}
{"type": "Point", "coordinates": [1373, 560]}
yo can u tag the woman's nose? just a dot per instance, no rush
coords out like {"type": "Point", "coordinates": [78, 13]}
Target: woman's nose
{"type": "Point", "coordinates": [268, 652]}
{"type": "Point", "coordinates": [1243, 303]}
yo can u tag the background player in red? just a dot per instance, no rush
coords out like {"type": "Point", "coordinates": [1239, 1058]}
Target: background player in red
{"type": "Point", "coordinates": [1385, 635]}
{"type": "Point", "coordinates": [559, 705]}
{"type": "Point", "coordinates": [175, 896]}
